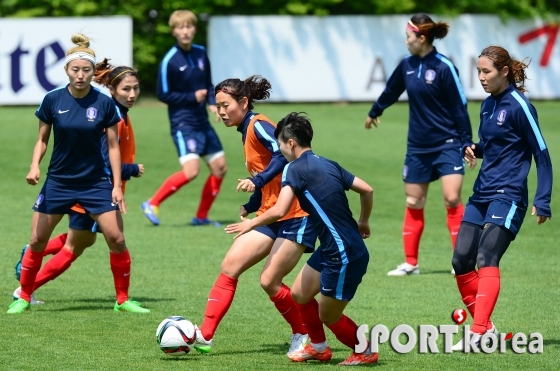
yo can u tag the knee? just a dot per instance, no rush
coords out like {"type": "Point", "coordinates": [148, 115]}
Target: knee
{"type": "Point", "coordinates": [230, 268]}
{"type": "Point", "coordinates": [191, 174]}
{"type": "Point", "coordinates": [116, 242]}
{"type": "Point", "coordinates": [220, 171]}
{"type": "Point", "coordinates": [270, 284]}
{"type": "Point", "coordinates": [415, 203]}
{"type": "Point", "coordinates": [298, 296]}
{"type": "Point", "coordinates": [329, 318]}
{"type": "Point", "coordinates": [452, 202]}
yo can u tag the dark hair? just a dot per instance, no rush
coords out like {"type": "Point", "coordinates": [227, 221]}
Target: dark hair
{"type": "Point", "coordinates": [428, 27]}
{"type": "Point", "coordinates": [108, 75]}
{"type": "Point", "coordinates": [516, 69]}
{"type": "Point", "coordinates": [254, 88]}
{"type": "Point", "coordinates": [296, 126]}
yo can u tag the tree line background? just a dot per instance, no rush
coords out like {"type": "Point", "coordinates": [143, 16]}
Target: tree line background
{"type": "Point", "coordinates": [152, 36]}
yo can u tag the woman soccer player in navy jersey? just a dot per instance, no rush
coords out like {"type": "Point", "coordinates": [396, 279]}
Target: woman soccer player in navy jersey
{"type": "Point", "coordinates": [336, 268]}
{"type": "Point", "coordinates": [509, 135]}
{"type": "Point", "coordinates": [123, 84]}
{"type": "Point", "coordinates": [185, 85]}
{"type": "Point", "coordinates": [438, 126]}
{"type": "Point", "coordinates": [80, 117]}
{"type": "Point", "coordinates": [282, 243]}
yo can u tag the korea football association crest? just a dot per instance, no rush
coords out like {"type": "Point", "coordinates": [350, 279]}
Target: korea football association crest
{"type": "Point", "coordinates": [39, 200]}
{"type": "Point", "coordinates": [91, 113]}
{"type": "Point", "coordinates": [405, 172]}
{"type": "Point", "coordinates": [501, 117]}
{"type": "Point", "coordinates": [191, 145]}
{"type": "Point", "coordinates": [430, 76]}
{"type": "Point", "coordinates": [201, 64]}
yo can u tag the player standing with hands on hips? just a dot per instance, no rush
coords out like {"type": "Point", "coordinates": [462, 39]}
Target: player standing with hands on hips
{"type": "Point", "coordinates": [185, 84]}
{"type": "Point", "coordinates": [438, 127]}
{"type": "Point", "coordinates": [509, 135]}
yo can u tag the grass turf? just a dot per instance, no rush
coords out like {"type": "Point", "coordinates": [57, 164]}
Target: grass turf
{"type": "Point", "coordinates": [175, 265]}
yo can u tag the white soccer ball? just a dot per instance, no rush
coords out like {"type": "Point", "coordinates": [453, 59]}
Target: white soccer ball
{"type": "Point", "coordinates": [175, 336]}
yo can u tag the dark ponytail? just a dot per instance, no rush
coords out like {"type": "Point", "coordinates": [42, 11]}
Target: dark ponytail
{"type": "Point", "coordinates": [516, 69]}
{"type": "Point", "coordinates": [427, 27]}
{"type": "Point", "coordinates": [254, 88]}
{"type": "Point", "coordinates": [109, 75]}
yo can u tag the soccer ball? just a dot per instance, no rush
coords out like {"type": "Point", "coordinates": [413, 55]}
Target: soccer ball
{"type": "Point", "coordinates": [175, 336]}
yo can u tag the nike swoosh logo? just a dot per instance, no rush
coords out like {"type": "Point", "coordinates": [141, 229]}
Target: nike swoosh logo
{"type": "Point", "coordinates": [182, 68]}
{"type": "Point", "coordinates": [60, 111]}
{"type": "Point", "coordinates": [409, 72]}
{"type": "Point", "coordinates": [406, 233]}
{"type": "Point", "coordinates": [212, 299]}
{"type": "Point", "coordinates": [126, 274]}
{"type": "Point", "coordinates": [324, 289]}
{"type": "Point", "coordinates": [288, 232]}
{"type": "Point", "coordinates": [457, 168]}
{"type": "Point", "coordinates": [484, 113]}
{"type": "Point", "coordinates": [497, 217]}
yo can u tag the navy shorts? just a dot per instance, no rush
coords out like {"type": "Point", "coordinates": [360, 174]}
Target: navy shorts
{"type": "Point", "coordinates": [299, 230]}
{"type": "Point", "coordinates": [200, 142]}
{"type": "Point", "coordinates": [500, 212]}
{"type": "Point", "coordinates": [82, 222]}
{"type": "Point", "coordinates": [427, 167]}
{"type": "Point", "coordinates": [339, 281]}
{"type": "Point", "coordinates": [57, 198]}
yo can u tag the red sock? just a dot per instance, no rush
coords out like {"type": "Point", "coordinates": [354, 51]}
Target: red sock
{"type": "Point", "coordinates": [486, 298]}
{"type": "Point", "coordinates": [55, 244]}
{"type": "Point", "coordinates": [120, 266]}
{"type": "Point", "coordinates": [468, 286]}
{"type": "Point", "coordinates": [170, 186]}
{"type": "Point", "coordinates": [345, 331]}
{"type": "Point", "coordinates": [219, 301]}
{"type": "Point", "coordinates": [54, 267]}
{"type": "Point", "coordinates": [309, 314]}
{"type": "Point", "coordinates": [30, 265]}
{"type": "Point", "coordinates": [412, 231]}
{"type": "Point", "coordinates": [285, 304]}
{"type": "Point", "coordinates": [454, 218]}
{"type": "Point", "coordinates": [209, 194]}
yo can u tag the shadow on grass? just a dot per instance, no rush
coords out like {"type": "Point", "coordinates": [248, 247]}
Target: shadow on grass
{"type": "Point", "coordinates": [551, 342]}
{"type": "Point", "coordinates": [223, 223]}
{"type": "Point", "coordinates": [96, 303]}
{"type": "Point", "coordinates": [427, 272]}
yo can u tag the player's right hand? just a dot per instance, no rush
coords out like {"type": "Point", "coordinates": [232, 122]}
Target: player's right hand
{"type": "Point", "coordinates": [363, 227]}
{"type": "Point", "coordinates": [369, 121]}
{"type": "Point", "coordinates": [33, 176]}
{"type": "Point", "coordinates": [242, 211]}
{"type": "Point", "coordinates": [200, 95]}
{"type": "Point", "coordinates": [140, 171]}
{"type": "Point", "coordinates": [470, 158]}
{"type": "Point", "coordinates": [246, 185]}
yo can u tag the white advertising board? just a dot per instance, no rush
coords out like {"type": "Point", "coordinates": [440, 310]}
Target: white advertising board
{"type": "Point", "coordinates": [32, 52]}
{"type": "Point", "coordinates": [349, 58]}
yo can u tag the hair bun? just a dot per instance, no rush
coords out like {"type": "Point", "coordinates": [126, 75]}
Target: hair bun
{"type": "Point", "coordinates": [80, 40]}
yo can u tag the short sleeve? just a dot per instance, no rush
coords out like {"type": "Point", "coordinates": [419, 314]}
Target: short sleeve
{"type": "Point", "coordinates": [113, 115]}
{"type": "Point", "coordinates": [346, 176]}
{"type": "Point", "coordinates": [45, 110]}
{"type": "Point", "coordinates": [293, 177]}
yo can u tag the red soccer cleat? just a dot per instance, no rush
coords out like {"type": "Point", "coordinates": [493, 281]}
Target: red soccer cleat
{"type": "Point", "coordinates": [310, 353]}
{"type": "Point", "coordinates": [360, 359]}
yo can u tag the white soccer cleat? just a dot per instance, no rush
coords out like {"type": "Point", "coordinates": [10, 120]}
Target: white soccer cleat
{"type": "Point", "coordinates": [460, 346]}
{"type": "Point", "coordinates": [297, 343]}
{"type": "Point", "coordinates": [405, 269]}
{"type": "Point", "coordinates": [201, 344]}
{"type": "Point", "coordinates": [17, 293]}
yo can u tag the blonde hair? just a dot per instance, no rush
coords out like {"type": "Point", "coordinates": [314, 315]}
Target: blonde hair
{"type": "Point", "coordinates": [179, 17]}
{"type": "Point", "coordinates": [82, 43]}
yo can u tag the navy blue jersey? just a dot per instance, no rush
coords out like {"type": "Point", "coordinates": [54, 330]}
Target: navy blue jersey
{"type": "Point", "coordinates": [78, 126]}
{"type": "Point", "coordinates": [438, 116]}
{"type": "Point", "coordinates": [181, 73]}
{"type": "Point", "coordinates": [320, 185]}
{"type": "Point", "coordinates": [509, 135]}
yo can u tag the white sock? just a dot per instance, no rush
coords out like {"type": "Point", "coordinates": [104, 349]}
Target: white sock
{"type": "Point", "coordinates": [320, 347]}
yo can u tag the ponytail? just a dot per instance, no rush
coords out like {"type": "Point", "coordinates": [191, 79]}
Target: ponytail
{"type": "Point", "coordinates": [253, 88]}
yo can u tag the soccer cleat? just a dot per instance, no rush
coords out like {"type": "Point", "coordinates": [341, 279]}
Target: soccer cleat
{"type": "Point", "coordinates": [405, 269]}
{"type": "Point", "coordinates": [151, 212]}
{"type": "Point", "coordinates": [18, 306]}
{"type": "Point", "coordinates": [460, 346]}
{"type": "Point", "coordinates": [197, 222]}
{"type": "Point", "coordinates": [18, 265]}
{"type": "Point", "coordinates": [360, 359]}
{"type": "Point", "coordinates": [130, 306]}
{"type": "Point", "coordinates": [297, 343]}
{"type": "Point", "coordinates": [201, 344]}
{"type": "Point", "coordinates": [309, 353]}
{"type": "Point", "coordinates": [17, 293]}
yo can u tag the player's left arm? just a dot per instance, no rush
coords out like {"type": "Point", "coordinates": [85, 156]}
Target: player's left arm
{"type": "Point", "coordinates": [276, 212]}
{"type": "Point", "coordinates": [210, 97]}
{"type": "Point", "coordinates": [366, 202]}
{"type": "Point", "coordinates": [528, 120]}
{"type": "Point", "coordinates": [115, 160]}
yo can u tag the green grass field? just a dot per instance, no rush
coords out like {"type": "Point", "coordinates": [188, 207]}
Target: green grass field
{"type": "Point", "coordinates": [175, 265]}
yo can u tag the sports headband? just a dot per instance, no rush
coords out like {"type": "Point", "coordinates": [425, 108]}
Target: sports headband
{"type": "Point", "coordinates": [123, 72]}
{"type": "Point", "coordinates": [80, 55]}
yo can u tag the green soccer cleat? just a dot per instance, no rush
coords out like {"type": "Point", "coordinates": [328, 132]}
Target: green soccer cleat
{"type": "Point", "coordinates": [201, 344]}
{"type": "Point", "coordinates": [130, 306]}
{"type": "Point", "coordinates": [18, 306]}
